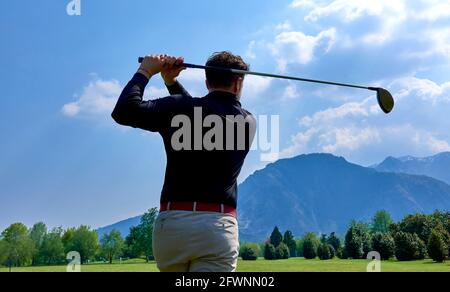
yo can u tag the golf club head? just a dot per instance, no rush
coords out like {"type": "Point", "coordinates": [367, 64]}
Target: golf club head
{"type": "Point", "coordinates": [385, 99]}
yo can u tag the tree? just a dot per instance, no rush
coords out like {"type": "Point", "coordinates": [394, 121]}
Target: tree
{"type": "Point", "coordinates": [358, 242]}
{"type": "Point", "coordinates": [299, 249]}
{"type": "Point", "coordinates": [419, 224]}
{"type": "Point", "coordinates": [248, 253]}
{"type": "Point", "coordinates": [381, 222]}
{"type": "Point", "coordinates": [276, 238]}
{"type": "Point", "coordinates": [310, 244]}
{"type": "Point", "coordinates": [269, 251]}
{"type": "Point", "coordinates": [51, 251]}
{"type": "Point", "coordinates": [3, 253]}
{"type": "Point", "coordinates": [437, 248]}
{"type": "Point", "coordinates": [441, 220]}
{"type": "Point", "coordinates": [37, 233]}
{"type": "Point", "coordinates": [111, 244]}
{"type": "Point", "coordinates": [67, 238]}
{"type": "Point", "coordinates": [384, 244]}
{"type": "Point", "coordinates": [408, 247]}
{"type": "Point", "coordinates": [325, 251]}
{"type": "Point", "coordinates": [282, 252]}
{"type": "Point", "coordinates": [145, 233]}
{"type": "Point", "coordinates": [353, 244]}
{"type": "Point", "coordinates": [132, 248]}
{"type": "Point", "coordinates": [289, 240]}
{"type": "Point", "coordinates": [83, 240]}
{"type": "Point", "coordinates": [334, 241]}
{"type": "Point", "coordinates": [341, 253]}
{"type": "Point", "coordinates": [17, 248]}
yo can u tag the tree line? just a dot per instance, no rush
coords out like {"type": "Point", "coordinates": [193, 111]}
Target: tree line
{"type": "Point", "coordinates": [415, 237]}
{"type": "Point", "coordinates": [37, 246]}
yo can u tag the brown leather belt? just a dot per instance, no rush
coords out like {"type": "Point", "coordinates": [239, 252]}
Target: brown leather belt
{"type": "Point", "coordinates": [198, 207]}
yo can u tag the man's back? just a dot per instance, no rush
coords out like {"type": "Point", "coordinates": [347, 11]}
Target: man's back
{"type": "Point", "coordinates": [195, 171]}
{"type": "Point", "coordinates": [207, 173]}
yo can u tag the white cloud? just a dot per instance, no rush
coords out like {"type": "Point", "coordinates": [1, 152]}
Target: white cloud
{"type": "Point", "coordinates": [153, 92]}
{"type": "Point", "coordinates": [250, 53]}
{"type": "Point", "coordinates": [290, 92]}
{"type": "Point", "coordinates": [284, 26]}
{"type": "Point", "coordinates": [350, 138]}
{"type": "Point", "coordinates": [350, 10]}
{"type": "Point", "coordinates": [434, 10]}
{"type": "Point", "coordinates": [297, 47]}
{"type": "Point", "coordinates": [302, 4]}
{"type": "Point", "coordinates": [97, 98]}
{"type": "Point", "coordinates": [432, 143]}
{"type": "Point", "coordinates": [422, 88]}
{"type": "Point", "coordinates": [193, 75]}
{"type": "Point", "coordinates": [391, 13]}
{"type": "Point", "coordinates": [354, 109]}
{"type": "Point", "coordinates": [299, 143]}
{"type": "Point", "coordinates": [255, 85]}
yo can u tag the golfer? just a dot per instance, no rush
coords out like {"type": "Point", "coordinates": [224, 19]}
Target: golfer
{"type": "Point", "coordinates": [197, 229]}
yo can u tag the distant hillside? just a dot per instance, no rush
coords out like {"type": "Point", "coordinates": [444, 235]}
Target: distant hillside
{"type": "Point", "coordinates": [123, 226]}
{"type": "Point", "coordinates": [437, 166]}
{"type": "Point", "coordinates": [323, 193]}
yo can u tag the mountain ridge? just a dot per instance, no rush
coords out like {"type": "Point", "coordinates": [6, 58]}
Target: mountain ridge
{"type": "Point", "coordinates": [322, 193]}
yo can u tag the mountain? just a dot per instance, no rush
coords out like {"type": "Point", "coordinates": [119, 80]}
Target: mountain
{"type": "Point", "coordinates": [437, 166]}
{"type": "Point", "coordinates": [323, 193]}
{"type": "Point", "coordinates": [123, 226]}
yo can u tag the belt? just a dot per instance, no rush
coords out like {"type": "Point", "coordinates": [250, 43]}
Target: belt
{"type": "Point", "coordinates": [198, 207]}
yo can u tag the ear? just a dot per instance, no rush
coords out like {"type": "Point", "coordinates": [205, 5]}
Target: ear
{"type": "Point", "coordinates": [207, 85]}
{"type": "Point", "coordinates": [238, 85]}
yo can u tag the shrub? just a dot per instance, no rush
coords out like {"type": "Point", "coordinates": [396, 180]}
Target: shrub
{"type": "Point", "coordinates": [325, 251]}
{"type": "Point", "coordinates": [276, 238]}
{"type": "Point", "coordinates": [384, 244]}
{"type": "Point", "coordinates": [309, 249]}
{"type": "Point", "coordinates": [282, 251]}
{"type": "Point", "coordinates": [289, 240]}
{"type": "Point", "coordinates": [409, 247]}
{"type": "Point", "coordinates": [334, 241]}
{"type": "Point", "coordinates": [437, 248]}
{"type": "Point", "coordinates": [249, 254]}
{"type": "Point", "coordinates": [269, 251]}
{"type": "Point", "coordinates": [341, 254]}
{"type": "Point", "coordinates": [353, 244]}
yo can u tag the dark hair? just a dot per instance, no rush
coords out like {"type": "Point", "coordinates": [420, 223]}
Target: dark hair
{"type": "Point", "coordinates": [223, 79]}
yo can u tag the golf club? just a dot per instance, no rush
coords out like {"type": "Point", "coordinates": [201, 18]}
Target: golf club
{"type": "Point", "coordinates": [384, 97]}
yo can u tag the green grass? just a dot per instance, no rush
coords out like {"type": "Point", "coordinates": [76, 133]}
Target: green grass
{"type": "Point", "coordinates": [261, 265]}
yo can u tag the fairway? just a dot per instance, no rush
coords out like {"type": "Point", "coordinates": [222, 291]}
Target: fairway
{"type": "Point", "coordinates": [261, 265]}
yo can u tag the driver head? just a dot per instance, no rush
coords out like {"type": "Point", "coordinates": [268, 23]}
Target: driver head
{"type": "Point", "coordinates": [385, 100]}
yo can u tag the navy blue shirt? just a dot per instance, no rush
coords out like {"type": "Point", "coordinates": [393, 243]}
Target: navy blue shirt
{"type": "Point", "coordinates": [193, 174]}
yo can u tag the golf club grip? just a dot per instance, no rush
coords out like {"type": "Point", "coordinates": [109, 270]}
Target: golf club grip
{"type": "Point", "coordinates": [186, 65]}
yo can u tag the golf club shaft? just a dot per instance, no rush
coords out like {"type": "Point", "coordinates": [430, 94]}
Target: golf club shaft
{"type": "Point", "coordinates": [236, 71]}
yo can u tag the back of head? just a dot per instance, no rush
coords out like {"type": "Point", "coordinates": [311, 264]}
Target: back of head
{"type": "Point", "coordinates": [223, 79]}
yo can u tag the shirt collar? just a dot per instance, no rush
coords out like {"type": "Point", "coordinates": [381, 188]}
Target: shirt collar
{"type": "Point", "coordinates": [224, 95]}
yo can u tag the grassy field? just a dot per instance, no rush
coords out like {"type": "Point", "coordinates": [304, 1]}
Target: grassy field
{"type": "Point", "coordinates": [261, 265]}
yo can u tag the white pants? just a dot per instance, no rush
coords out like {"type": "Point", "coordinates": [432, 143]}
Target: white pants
{"type": "Point", "coordinates": [186, 241]}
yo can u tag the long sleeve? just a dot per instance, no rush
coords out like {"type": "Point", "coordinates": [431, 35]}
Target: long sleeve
{"type": "Point", "coordinates": [177, 88]}
{"type": "Point", "coordinates": [153, 115]}
{"type": "Point", "coordinates": [131, 110]}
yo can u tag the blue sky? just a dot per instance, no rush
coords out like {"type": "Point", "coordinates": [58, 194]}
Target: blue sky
{"type": "Point", "coordinates": [63, 161]}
